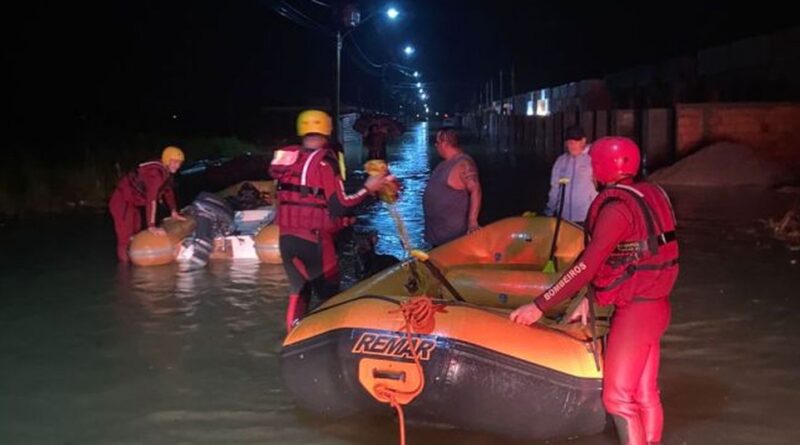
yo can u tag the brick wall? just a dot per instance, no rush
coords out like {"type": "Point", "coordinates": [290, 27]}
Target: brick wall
{"type": "Point", "coordinates": [772, 129]}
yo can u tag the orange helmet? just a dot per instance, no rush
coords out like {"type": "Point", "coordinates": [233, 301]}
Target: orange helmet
{"type": "Point", "coordinates": [314, 122]}
{"type": "Point", "coordinates": [172, 153]}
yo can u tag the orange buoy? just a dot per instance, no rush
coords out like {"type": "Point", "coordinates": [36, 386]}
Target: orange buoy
{"type": "Point", "coordinates": [267, 245]}
{"type": "Point", "coordinates": [148, 249]}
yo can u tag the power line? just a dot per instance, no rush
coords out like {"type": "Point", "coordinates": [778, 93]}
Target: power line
{"type": "Point", "coordinates": [319, 3]}
{"type": "Point", "coordinates": [404, 70]}
{"type": "Point", "coordinates": [288, 12]}
{"type": "Point", "coordinates": [360, 51]}
{"type": "Point", "coordinates": [300, 14]}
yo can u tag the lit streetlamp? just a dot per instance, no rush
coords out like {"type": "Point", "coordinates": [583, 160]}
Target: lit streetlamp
{"type": "Point", "coordinates": [352, 22]}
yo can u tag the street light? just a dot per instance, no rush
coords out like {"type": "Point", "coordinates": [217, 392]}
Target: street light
{"type": "Point", "coordinates": [352, 22]}
{"type": "Point", "coordinates": [416, 74]}
{"type": "Point", "coordinates": [409, 50]}
{"type": "Point", "coordinates": [419, 84]}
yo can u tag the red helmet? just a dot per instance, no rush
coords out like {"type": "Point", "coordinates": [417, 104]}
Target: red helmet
{"type": "Point", "coordinates": [614, 158]}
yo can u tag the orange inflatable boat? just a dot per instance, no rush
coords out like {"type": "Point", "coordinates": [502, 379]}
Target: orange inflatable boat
{"type": "Point", "coordinates": [401, 337]}
{"type": "Point", "coordinates": [148, 249]}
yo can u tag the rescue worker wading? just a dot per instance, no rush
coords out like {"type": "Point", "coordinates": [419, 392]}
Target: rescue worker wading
{"type": "Point", "coordinates": [630, 261]}
{"type": "Point", "coordinates": [144, 187]}
{"type": "Point", "coordinates": [312, 207]}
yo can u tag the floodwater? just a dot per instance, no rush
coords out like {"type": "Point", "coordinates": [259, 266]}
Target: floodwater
{"type": "Point", "coordinates": [94, 353]}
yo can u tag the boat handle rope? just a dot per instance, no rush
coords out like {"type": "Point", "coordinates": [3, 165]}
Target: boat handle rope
{"type": "Point", "coordinates": [418, 315]}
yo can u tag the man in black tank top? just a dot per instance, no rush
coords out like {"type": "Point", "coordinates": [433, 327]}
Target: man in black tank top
{"type": "Point", "coordinates": [452, 199]}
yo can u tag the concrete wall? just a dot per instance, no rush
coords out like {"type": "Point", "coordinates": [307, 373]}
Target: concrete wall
{"type": "Point", "coordinates": [664, 134]}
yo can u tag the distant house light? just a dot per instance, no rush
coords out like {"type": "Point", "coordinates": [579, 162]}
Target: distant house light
{"type": "Point", "coordinates": [529, 109]}
{"type": "Point", "coordinates": [543, 107]}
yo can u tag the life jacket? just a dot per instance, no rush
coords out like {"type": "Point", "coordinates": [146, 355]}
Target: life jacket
{"type": "Point", "coordinates": [302, 199]}
{"type": "Point", "coordinates": [136, 182]}
{"type": "Point", "coordinates": [646, 266]}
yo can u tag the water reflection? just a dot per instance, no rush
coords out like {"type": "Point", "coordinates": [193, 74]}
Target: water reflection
{"type": "Point", "coordinates": [409, 160]}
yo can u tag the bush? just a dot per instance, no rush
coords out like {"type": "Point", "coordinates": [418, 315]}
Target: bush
{"type": "Point", "coordinates": [35, 180]}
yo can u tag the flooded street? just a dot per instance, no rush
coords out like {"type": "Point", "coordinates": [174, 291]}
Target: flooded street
{"type": "Point", "coordinates": [94, 353]}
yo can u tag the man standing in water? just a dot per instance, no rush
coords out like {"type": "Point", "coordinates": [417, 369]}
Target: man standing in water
{"type": "Point", "coordinates": [576, 165]}
{"type": "Point", "coordinates": [631, 261]}
{"type": "Point", "coordinates": [312, 208]}
{"type": "Point", "coordinates": [452, 199]}
{"type": "Point", "coordinates": [143, 188]}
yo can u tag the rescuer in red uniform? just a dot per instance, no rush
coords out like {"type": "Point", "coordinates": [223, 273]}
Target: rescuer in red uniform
{"type": "Point", "coordinates": [312, 207]}
{"type": "Point", "coordinates": [630, 261]}
{"type": "Point", "coordinates": [144, 187]}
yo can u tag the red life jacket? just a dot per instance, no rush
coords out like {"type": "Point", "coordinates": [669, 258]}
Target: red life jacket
{"type": "Point", "coordinates": [302, 199]}
{"type": "Point", "coordinates": [645, 267]}
{"type": "Point", "coordinates": [135, 184]}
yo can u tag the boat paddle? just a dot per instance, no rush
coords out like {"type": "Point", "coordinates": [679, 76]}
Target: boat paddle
{"type": "Point", "coordinates": [425, 259]}
{"type": "Point", "coordinates": [550, 266]}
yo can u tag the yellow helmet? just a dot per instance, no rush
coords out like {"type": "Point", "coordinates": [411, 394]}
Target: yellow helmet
{"type": "Point", "coordinates": [314, 121]}
{"type": "Point", "coordinates": [171, 153]}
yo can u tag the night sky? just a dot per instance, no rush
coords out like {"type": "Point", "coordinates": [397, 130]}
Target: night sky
{"type": "Point", "coordinates": [133, 65]}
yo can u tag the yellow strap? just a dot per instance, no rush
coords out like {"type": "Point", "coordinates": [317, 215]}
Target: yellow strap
{"type": "Point", "coordinates": [342, 167]}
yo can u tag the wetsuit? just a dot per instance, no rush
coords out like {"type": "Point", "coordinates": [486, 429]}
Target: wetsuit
{"type": "Point", "coordinates": [631, 260]}
{"type": "Point", "coordinates": [143, 187]}
{"type": "Point", "coordinates": [312, 204]}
